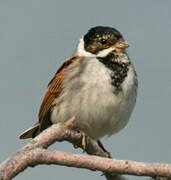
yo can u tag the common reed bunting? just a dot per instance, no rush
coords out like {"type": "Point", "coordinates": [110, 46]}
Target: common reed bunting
{"type": "Point", "coordinates": [97, 86]}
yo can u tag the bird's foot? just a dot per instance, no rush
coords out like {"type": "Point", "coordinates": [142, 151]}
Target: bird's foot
{"type": "Point", "coordinates": [84, 141]}
{"type": "Point", "coordinates": [72, 125]}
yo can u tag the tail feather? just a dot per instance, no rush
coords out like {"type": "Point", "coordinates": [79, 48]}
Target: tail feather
{"type": "Point", "coordinates": [31, 132]}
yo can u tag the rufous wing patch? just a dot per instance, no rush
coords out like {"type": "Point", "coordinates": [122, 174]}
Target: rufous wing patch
{"type": "Point", "coordinates": [54, 90]}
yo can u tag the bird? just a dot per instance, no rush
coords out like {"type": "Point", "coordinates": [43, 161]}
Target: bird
{"type": "Point", "coordinates": [97, 86]}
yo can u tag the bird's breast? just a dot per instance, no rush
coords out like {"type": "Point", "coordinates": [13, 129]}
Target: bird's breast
{"type": "Point", "coordinates": [89, 96]}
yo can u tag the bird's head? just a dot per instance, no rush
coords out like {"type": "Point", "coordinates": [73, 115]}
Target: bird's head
{"type": "Point", "coordinates": [100, 41]}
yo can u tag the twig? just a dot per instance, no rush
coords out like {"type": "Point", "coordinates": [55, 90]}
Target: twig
{"type": "Point", "coordinates": [34, 153]}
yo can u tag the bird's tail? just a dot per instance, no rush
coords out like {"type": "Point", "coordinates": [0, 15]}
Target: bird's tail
{"type": "Point", "coordinates": [31, 132]}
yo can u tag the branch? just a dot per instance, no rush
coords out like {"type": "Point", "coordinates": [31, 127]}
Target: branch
{"type": "Point", "coordinates": [64, 132]}
{"type": "Point", "coordinates": [35, 153]}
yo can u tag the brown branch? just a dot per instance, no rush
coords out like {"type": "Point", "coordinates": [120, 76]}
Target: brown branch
{"type": "Point", "coordinates": [34, 153]}
{"type": "Point", "coordinates": [62, 132]}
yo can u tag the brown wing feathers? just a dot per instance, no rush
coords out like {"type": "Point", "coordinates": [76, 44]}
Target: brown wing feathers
{"type": "Point", "coordinates": [54, 90]}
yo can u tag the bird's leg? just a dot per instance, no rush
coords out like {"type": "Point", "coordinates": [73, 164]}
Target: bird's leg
{"type": "Point", "coordinates": [72, 125]}
{"type": "Point", "coordinates": [83, 139]}
{"type": "Point", "coordinates": [84, 142]}
{"type": "Point", "coordinates": [103, 148]}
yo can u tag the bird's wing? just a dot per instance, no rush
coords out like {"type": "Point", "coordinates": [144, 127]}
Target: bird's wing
{"type": "Point", "coordinates": [54, 90]}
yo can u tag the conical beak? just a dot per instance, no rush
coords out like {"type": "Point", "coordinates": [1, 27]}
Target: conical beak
{"type": "Point", "coordinates": [121, 45]}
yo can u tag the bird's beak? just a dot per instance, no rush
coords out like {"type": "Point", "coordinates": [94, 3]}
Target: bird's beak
{"type": "Point", "coordinates": [121, 45]}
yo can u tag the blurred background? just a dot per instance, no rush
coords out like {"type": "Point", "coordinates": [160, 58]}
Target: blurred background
{"type": "Point", "coordinates": [37, 35]}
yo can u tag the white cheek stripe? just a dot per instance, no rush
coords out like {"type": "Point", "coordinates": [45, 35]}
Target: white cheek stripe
{"type": "Point", "coordinates": [80, 51]}
{"type": "Point", "coordinates": [105, 52]}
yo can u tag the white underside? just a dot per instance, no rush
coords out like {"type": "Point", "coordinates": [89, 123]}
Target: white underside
{"type": "Point", "coordinates": [89, 97]}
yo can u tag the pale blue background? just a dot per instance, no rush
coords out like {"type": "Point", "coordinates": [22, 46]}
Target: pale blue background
{"type": "Point", "coordinates": [35, 37]}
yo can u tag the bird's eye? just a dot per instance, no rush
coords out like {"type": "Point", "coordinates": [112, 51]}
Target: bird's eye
{"type": "Point", "coordinates": [103, 41]}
